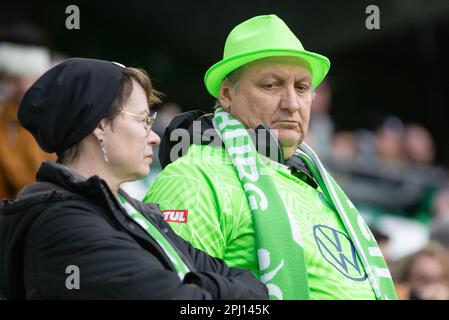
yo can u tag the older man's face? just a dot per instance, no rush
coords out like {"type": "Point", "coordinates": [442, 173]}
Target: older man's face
{"type": "Point", "coordinates": [276, 92]}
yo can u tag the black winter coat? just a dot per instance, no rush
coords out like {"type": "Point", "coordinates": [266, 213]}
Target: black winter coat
{"type": "Point", "coordinates": [64, 220]}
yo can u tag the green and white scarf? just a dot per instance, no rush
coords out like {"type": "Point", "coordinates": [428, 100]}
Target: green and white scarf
{"type": "Point", "coordinates": [171, 253]}
{"type": "Point", "coordinates": [282, 265]}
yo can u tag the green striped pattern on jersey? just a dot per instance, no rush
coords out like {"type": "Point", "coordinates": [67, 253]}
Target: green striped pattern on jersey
{"type": "Point", "coordinates": [205, 183]}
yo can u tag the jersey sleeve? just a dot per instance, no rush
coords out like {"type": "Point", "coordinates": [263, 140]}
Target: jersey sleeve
{"type": "Point", "coordinates": [195, 204]}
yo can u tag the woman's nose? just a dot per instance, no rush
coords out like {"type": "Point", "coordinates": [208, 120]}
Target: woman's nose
{"type": "Point", "coordinates": [153, 138]}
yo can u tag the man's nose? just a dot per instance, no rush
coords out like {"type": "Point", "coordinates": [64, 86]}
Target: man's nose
{"type": "Point", "coordinates": [290, 99]}
{"type": "Point", "coordinates": [153, 138]}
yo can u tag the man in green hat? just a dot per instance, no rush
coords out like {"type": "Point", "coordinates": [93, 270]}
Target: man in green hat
{"type": "Point", "coordinates": [248, 189]}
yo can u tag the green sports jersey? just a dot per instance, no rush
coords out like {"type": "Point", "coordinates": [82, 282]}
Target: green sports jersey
{"type": "Point", "coordinates": [204, 202]}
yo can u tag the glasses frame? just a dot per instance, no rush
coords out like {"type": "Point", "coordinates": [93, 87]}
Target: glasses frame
{"type": "Point", "coordinates": [148, 120]}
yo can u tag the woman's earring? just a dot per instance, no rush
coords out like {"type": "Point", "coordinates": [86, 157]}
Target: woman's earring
{"type": "Point", "coordinates": [105, 155]}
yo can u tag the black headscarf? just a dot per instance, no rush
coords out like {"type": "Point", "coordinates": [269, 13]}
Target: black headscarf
{"type": "Point", "coordinates": [67, 102]}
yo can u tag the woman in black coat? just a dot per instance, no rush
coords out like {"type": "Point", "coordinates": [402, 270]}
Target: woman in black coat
{"type": "Point", "coordinates": [74, 234]}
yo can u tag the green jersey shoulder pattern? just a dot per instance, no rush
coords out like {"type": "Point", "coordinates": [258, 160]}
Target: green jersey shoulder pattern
{"type": "Point", "coordinates": [218, 220]}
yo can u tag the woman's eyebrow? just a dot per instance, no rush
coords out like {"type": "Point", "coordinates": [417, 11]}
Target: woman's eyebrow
{"type": "Point", "coordinates": [146, 111]}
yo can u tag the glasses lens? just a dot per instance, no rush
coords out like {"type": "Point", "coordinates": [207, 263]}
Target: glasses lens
{"type": "Point", "coordinates": [150, 121]}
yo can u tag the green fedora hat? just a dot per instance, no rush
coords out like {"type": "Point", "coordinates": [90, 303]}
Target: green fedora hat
{"type": "Point", "coordinates": [261, 37]}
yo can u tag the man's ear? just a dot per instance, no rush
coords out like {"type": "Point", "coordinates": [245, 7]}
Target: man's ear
{"type": "Point", "coordinates": [100, 130]}
{"type": "Point", "coordinates": [225, 95]}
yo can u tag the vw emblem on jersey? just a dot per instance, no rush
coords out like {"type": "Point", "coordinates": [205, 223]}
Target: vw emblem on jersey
{"type": "Point", "coordinates": [338, 249]}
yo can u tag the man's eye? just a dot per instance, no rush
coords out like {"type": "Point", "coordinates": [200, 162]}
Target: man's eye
{"type": "Point", "coordinates": [302, 88]}
{"type": "Point", "coordinates": [268, 86]}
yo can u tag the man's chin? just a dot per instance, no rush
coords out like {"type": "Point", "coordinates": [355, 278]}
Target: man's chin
{"type": "Point", "coordinates": [290, 140]}
{"type": "Point", "coordinates": [289, 147]}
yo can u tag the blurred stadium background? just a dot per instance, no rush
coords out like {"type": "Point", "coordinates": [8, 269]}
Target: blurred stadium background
{"type": "Point", "coordinates": [379, 122]}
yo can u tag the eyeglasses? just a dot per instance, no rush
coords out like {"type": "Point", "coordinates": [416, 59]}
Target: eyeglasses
{"type": "Point", "coordinates": [147, 120]}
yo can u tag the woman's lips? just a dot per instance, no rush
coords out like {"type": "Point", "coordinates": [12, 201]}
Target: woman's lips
{"type": "Point", "coordinates": [149, 159]}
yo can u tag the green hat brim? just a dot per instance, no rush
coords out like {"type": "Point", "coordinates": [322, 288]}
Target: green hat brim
{"type": "Point", "coordinates": [319, 66]}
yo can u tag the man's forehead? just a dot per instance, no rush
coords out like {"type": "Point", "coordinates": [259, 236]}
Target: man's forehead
{"type": "Point", "coordinates": [278, 64]}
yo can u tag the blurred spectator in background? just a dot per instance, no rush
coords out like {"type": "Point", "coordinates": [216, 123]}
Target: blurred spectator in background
{"type": "Point", "coordinates": [366, 146]}
{"type": "Point", "coordinates": [165, 115]}
{"type": "Point", "coordinates": [390, 174]}
{"type": "Point", "coordinates": [321, 128]}
{"type": "Point", "coordinates": [344, 146]}
{"type": "Point", "coordinates": [440, 205]}
{"type": "Point", "coordinates": [419, 154]}
{"type": "Point", "coordinates": [389, 137]}
{"type": "Point", "coordinates": [418, 145]}
{"type": "Point", "coordinates": [439, 231]}
{"type": "Point", "coordinates": [22, 61]}
{"type": "Point", "coordinates": [423, 275]}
